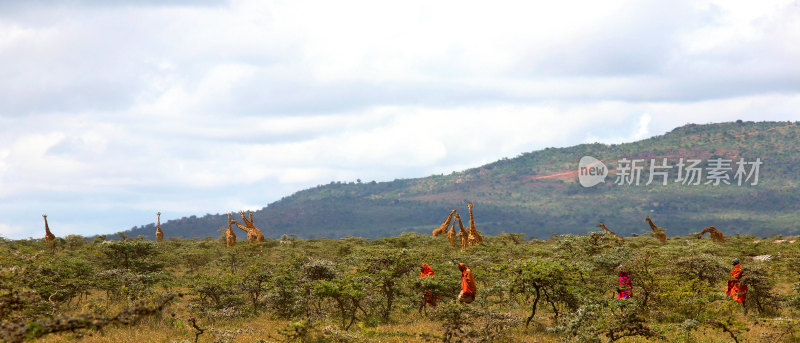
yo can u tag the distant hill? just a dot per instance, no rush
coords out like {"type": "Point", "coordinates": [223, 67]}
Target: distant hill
{"type": "Point", "coordinates": [537, 193]}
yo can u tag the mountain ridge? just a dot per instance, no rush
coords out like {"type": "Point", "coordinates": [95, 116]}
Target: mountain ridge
{"type": "Point", "coordinates": [537, 193]}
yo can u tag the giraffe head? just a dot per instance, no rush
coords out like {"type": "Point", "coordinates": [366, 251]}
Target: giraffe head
{"type": "Point", "coordinates": [600, 225]}
{"type": "Point", "coordinates": [647, 219]}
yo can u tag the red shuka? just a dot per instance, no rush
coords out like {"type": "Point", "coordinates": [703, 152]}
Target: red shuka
{"type": "Point", "coordinates": [428, 271]}
{"type": "Point", "coordinates": [734, 289]}
{"type": "Point", "coordinates": [467, 280]}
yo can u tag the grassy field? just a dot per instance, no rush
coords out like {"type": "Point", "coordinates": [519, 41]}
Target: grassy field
{"type": "Point", "coordinates": [359, 290]}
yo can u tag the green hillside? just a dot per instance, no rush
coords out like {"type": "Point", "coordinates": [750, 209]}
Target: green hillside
{"type": "Point", "coordinates": [537, 193]}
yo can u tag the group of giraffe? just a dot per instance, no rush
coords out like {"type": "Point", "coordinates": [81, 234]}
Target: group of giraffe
{"type": "Point", "coordinates": [469, 237]}
{"type": "Point", "coordinates": [254, 234]}
{"type": "Point", "coordinates": [660, 234]}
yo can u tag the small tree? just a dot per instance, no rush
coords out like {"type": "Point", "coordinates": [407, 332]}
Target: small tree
{"type": "Point", "coordinates": [760, 294]}
{"type": "Point", "coordinates": [133, 255]}
{"type": "Point", "coordinates": [547, 280]}
{"type": "Point", "coordinates": [216, 293]}
{"type": "Point", "coordinates": [386, 271]}
{"type": "Point", "coordinates": [256, 283]}
{"type": "Point", "coordinates": [347, 292]}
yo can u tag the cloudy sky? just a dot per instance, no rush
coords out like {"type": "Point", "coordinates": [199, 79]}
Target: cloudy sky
{"type": "Point", "coordinates": [113, 110]}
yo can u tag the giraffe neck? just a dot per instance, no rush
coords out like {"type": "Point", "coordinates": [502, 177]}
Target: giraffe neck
{"type": "Point", "coordinates": [652, 226]}
{"type": "Point", "coordinates": [46, 227]}
{"type": "Point", "coordinates": [471, 220]}
{"type": "Point", "coordinates": [244, 218]}
{"type": "Point", "coordinates": [245, 228]}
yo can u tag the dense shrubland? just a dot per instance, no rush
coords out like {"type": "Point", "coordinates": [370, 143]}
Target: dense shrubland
{"type": "Point", "coordinates": [353, 289]}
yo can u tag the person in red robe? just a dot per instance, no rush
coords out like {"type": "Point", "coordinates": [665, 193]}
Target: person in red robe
{"type": "Point", "coordinates": [735, 290]}
{"type": "Point", "coordinates": [428, 297]}
{"type": "Point", "coordinates": [468, 288]}
{"type": "Point", "coordinates": [625, 284]}
{"type": "Point", "coordinates": [426, 271]}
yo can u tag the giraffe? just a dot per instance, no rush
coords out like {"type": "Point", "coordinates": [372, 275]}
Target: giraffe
{"type": "Point", "coordinates": [230, 236]}
{"type": "Point", "coordinates": [253, 233]}
{"type": "Point", "coordinates": [474, 236]}
{"type": "Point", "coordinates": [259, 236]}
{"type": "Point", "coordinates": [250, 237]}
{"type": "Point", "coordinates": [606, 230]}
{"type": "Point", "coordinates": [451, 235]}
{"type": "Point", "coordinates": [658, 232]}
{"type": "Point", "coordinates": [159, 233]}
{"type": "Point", "coordinates": [462, 232]}
{"type": "Point", "coordinates": [49, 237]}
{"type": "Point", "coordinates": [442, 229]}
{"type": "Point", "coordinates": [247, 222]}
{"type": "Point", "coordinates": [715, 234]}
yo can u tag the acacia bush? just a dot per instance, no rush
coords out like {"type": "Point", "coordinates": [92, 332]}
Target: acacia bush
{"type": "Point", "coordinates": [353, 289]}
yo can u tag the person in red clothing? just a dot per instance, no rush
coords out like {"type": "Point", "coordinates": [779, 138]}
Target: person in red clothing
{"type": "Point", "coordinates": [468, 289]}
{"type": "Point", "coordinates": [735, 290]}
{"type": "Point", "coordinates": [428, 297]}
{"type": "Point", "coordinates": [426, 270]}
{"type": "Point", "coordinates": [625, 284]}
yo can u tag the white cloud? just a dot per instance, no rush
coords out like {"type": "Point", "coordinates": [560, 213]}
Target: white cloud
{"type": "Point", "coordinates": [108, 112]}
{"type": "Point", "coordinates": [9, 231]}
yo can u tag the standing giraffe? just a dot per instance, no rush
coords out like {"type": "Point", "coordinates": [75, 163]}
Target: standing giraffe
{"type": "Point", "coordinates": [451, 234]}
{"type": "Point", "coordinates": [49, 237]}
{"type": "Point", "coordinates": [230, 236]}
{"type": "Point", "coordinates": [474, 236]}
{"type": "Point", "coordinates": [658, 232]}
{"type": "Point", "coordinates": [159, 233]}
{"type": "Point", "coordinates": [259, 236]}
{"type": "Point", "coordinates": [253, 233]}
{"type": "Point", "coordinates": [462, 232]}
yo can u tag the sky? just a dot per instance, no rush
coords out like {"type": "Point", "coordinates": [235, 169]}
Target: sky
{"type": "Point", "coordinates": [111, 111]}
